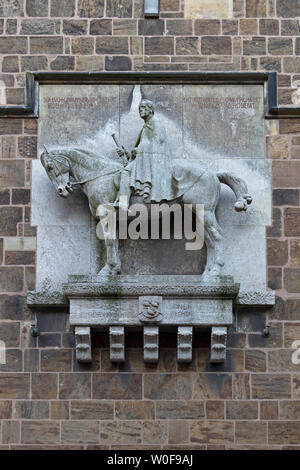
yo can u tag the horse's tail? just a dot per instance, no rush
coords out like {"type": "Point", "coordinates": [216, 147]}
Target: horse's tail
{"type": "Point", "coordinates": [239, 188]}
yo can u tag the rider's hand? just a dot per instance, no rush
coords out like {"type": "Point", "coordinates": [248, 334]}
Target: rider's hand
{"type": "Point", "coordinates": [120, 152]}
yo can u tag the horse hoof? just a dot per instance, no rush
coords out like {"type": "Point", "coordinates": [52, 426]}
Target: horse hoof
{"type": "Point", "coordinates": [240, 206]}
{"type": "Point", "coordinates": [109, 271]}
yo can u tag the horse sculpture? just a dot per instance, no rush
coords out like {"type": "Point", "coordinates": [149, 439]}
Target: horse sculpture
{"type": "Point", "coordinates": [99, 177]}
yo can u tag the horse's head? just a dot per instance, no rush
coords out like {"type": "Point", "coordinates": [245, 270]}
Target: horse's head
{"type": "Point", "coordinates": [57, 167]}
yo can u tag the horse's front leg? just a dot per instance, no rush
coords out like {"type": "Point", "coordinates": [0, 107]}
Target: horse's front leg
{"type": "Point", "coordinates": [106, 230]}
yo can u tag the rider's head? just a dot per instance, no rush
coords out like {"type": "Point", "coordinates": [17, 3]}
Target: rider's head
{"type": "Point", "coordinates": [146, 108]}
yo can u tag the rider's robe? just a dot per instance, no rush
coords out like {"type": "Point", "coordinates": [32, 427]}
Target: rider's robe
{"type": "Point", "coordinates": [151, 173]}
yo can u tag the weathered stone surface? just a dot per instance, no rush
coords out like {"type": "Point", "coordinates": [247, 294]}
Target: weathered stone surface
{"type": "Point", "coordinates": [255, 46]}
{"type": "Point", "coordinates": [155, 432]}
{"type": "Point", "coordinates": [289, 410]}
{"type": "Point", "coordinates": [10, 432]}
{"type": "Point", "coordinates": [19, 257]}
{"type": "Point", "coordinates": [187, 46]}
{"type": "Point", "coordinates": [37, 26]}
{"type": "Point", "coordinates": [291, 65]}
{"type": "Point", "coordinates": [269, 410]}
{"type": "Point", "coordinates": [10, 64]}
{"type": "Point", "coordinates": [120, 9]}
{"type": "Point", "coordinates": [112, 45]}
{"type": "Point", "coordinates": [271, 386]}
{"type": "Point", "coordinates": [268, 27]}
{"type": "Point", "coordinates": [212, 432]}
{"type": "Point", "coordinates": [44, 386]}
{"type": "Point", "coordinates": [247, 432]}
{"type": "Point", "coordinates": [205, 9]}
{"type": "Point", "coordinates": [39, 8]}
{"type": "Point", "coordinates": [286, 174]}
{"type": "Point", "coordinates": [230, 27]}
{"type": "Point", "coordinates": [212, 386]}
{"type": "Point", "coordinates": [238, 410]}
{"type": "Point", "coordinates": [115, 63]}
{"type": "Point", "coordinates": [11, 307]}
{"type": "Point", "coordinates": [56, 360]}
{"type": "Point", "coordinates": [101, 27]}
{"type": "Point", "coordinates": [288, 8]}
{"type": "Point", "coordinates": [40, 432]}
{"type": "Point", "coordinates": [62, 63]}
{"type": "Point", "coordinates": [59, 409]}
{"type": "Point", "coordinates": [31, 360]}
{"type": "Point", "coordinates": [14, 385]}
{"type": "Point", "coordinates": [215, 409]}
{"type": "Point", "coordinates": [75, 386]}
{"type": "Point", "coordinates": [280, 46]}
{"type": "Point", "coordinates": [117, 386]}
{"type": "Point", "coordinates": [92, 63]}
{"type": "Point", "coordinates": [75, 27]}
{"type": "Point", "coordinates": [46, 45]}
{"type": "Point", "coordinates": [178, 434]}
{"type": "Point", "coordinates": [62, 9]}
{"type": "Point", "coordinates": [76, 432]}
{"type": "Point", "coordinates": [150, 27]}
{"type": "Point", "coordinates": [10, 331]}
{"type": "Point", "coordinates": [34, 63]}
{"type": "Point", "coordinates": [31, 410]}
{"type": "Point", "coordinates": [216, 45]}
{"type": "Point", "coordinates": [290, 27]}
{"type": "Point", "coordinates": [9, 8]}
{"type": "Point", "coordinates": [116, 432]}
{"type": "Point", "coordinates": [255, 361]}
{"type": "Point", "coordinates": [11, 279]}
{"type": "Point", "coordinates": [179, 409]}
{"type": "Point", "coordinates": [10, 217]}
{"type": "Point", "coordinates": [291, 222]}
{"type": "Point", "coordinates": [92, 409]}
{"type": "Point", "coordinates": [82, 46]}
{"type": "Point", "coordinates": [4, 197]}
{"type": "Point", "coordinates": [90, 8]}
{"type": "Point", "coordinates": [159, 45]}
{"type": "Point", "coordinates": [167, 386]}
{"type": "Point", "coordinates": [291, 277]}
{"type": "Point", "coordinates": [295, 253]}
{"type": "Point", "coordinates": [274, 340]}
{"type": "Point", "coordinates": [123, 27]}
{"type": "Point", "coordinates": [207, 27]}
{"type": "Point", "coordinates": [179, 28]}
{"type": "Point", "coordinates": [11, 26]}
{"type": "Point", "coordinates": [286, 432]}
{"type": "Point", "coordinates": [5, 409]}
{"type": "Point", "coordinates": [256, 8]}
{"type": "Point", "coordinates": [277, 252]}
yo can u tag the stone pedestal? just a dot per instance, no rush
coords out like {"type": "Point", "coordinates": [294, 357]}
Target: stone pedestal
{"type": "Point", "coordinates": [151, 303]}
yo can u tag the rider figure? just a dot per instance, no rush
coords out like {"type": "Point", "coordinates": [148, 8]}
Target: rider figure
{"type": "Point", "coordinates": [148, 173]}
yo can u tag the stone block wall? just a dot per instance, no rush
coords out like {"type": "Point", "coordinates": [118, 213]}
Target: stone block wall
{"type": "Point", "coordinates": [47, 400]}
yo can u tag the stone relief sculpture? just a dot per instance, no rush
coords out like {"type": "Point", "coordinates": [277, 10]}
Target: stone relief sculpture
{"type": "Point", "coordinates": [147, 174]}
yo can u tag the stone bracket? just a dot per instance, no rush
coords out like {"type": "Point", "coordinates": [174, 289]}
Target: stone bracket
{"type": "Point", "coordinates": [117, 343]}
{"type": "Point", "coordinates": [218, 344]}
{"type": "Point", "coordinates": [151, 343]}
{"type": "Point", "coordinates": [184, 343]}
{"type": "Point", "coordinates": [83, 344]}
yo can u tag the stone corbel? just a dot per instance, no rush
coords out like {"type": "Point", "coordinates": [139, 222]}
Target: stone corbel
{"type": "Point", "coordinates": [83, 344]}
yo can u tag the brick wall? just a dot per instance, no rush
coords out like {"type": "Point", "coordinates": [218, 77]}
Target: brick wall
{"type": "Point", "coordinates": [47, 399]}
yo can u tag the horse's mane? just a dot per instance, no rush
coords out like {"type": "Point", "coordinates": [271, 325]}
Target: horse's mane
{"type": "Point", "coordinates": [58, 155]}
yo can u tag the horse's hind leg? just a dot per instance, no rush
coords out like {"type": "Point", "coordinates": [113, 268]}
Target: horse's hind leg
{"type": "Point", "coordinates": [214, 245]}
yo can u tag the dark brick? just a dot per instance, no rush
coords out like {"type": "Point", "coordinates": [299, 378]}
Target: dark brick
{"type": "Point", "coordinates": [255, 46]}
{"type": "Point", "coordinates": [15, 95]}
{"type": "Point", "coordinates": [90, 8]}
{"type": "Point", "coordinates": [10, 332]}
{"type": "Point", "coordinates": [68, 340]}
{"type": "Point", "coordinates": [11, 26]}
{"type": "Point", "coordinates": [187, 46]}
{"type": "Point", "coordinates": [277, 252]}
{"type": "Point", "coordinates": [19, 257]}
{"type": "Point", "coordinates": [56, 360]}
{"type": "Point", "coordinates": [62, 9]}
{"type": "Point", "coordinates": [275, 229]}
{"type": "Point", "coordinates": [30, 274]}
{"type": "Point", "coordinates": [119, 9]}
{"type": "Point", "coordinates": [212, 386]}
{"type": "Point", "coordinates": [31, 410]}
{"type": "Point", "coordinates": [230, 27]}
{"type": "Point", "coordinates": [169, 5]}
{"type": "Point", "coordinates": [82, 46]}
{"type": "Point", "coordinates": [291, 65]}
{"type": "Point", "coordinates": [290, 28]}
{"type": "Point", "coordinates": [117, 63]}
{"type": "Point", "coordinates": [179, 27]}
{"type": "Point", "coordinates": [11, 307]}
{"type": "Point", "coordinates": [274, 340]}
{"type": "Point", "coordinates": [20, 196]}
{"type": "Point", "coordinates": [10, 64]}
{"type": "Point", "coordinates": [207, 27]}
{"type": "Point", "coordinates": [11, 279]}
{"type": "Point", "coordinates": [47, 340]}
{"type": "Point", "coordinates": [11, 8]}
{"type": "Point", "coordinates": [4, 197]}
{"type": "Point", "coordinates": [216, 45]}
{"type": "Point", "coordinates": [44, 386]}
{"type": "Point", "coordinates": [75, 385]}
{"type": "Point", "coordinates": [151, 27]}
{"type": "Point", "coordinates": [280, 46]}
{"type": "Point", "coordinates": [51, 322]}
{"type": "Point", "coordinates": [268, 27]}
{"type": "Point", "coordinates": [9, 218]}
{"type": "Point", "coordinates": [1, 250]}
{"type": "Point", "coordinates": [31, 360]}
{"type": "Point", "coordinates": [117, 386]}
{"type": "Point", "coordinates": [37, 26]}
{"type": "Point", "coordinates": [271, 386]}
{"type": "Point", "coordinates": [14, 386]}
{"type": "Point", "coordinates": [256, 8]}
{"type": "Point", "coordinates": [30, 126]}
{"type": "Point", "coordinates": [292, 222]}
{"type": "Point", "coordinates": [285, 197]}
{"type": "Point", "coordinates": [112, 45]}
{"type": "Point", "coordinates": [98, 409]}
{"type": "Point", "coordinates": [248, 27]}
{"type": "Point", "coordinates": [297, 46]}
{"type": "Point", "coordinates": [13, 45]}
{"type": "Point", "coordinates": [249, 320]}
{"type": "Point", "coordinates": [34, 8]}
{"type": "Point", "coordinates": [255, 361]}
{"type": "Point", "coordinates": [40, 432]}
{"type": "Point", "coordinates": [288, 8]}
{"type": "Point", "coordinates": [75, 27]}
{"type": "Point", "coordinates": [101, 27]}
{"type": "Point", "coordinates": [241, 410]}
{"type": "Point", "coordinates": [159, 46]}
{"type": "Point", "coordinates": [269, 410]}
{"type": "Point", "coordinates": [291, 278]}
{"type": "Point", "coordinates": [34, 63]}
{"type": "Point", "coordinates": [123, 27]}
{"type": "Point", "coordinates": [63, 62]}
{"type": "Point", "coordinates": [5, 409]}
{"type": "Point", "coordinates": [270, 64]}
{"type": "Point", "coordinates": [275, 278]}
{"type": "Point", "coordinates": [46, 45]}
